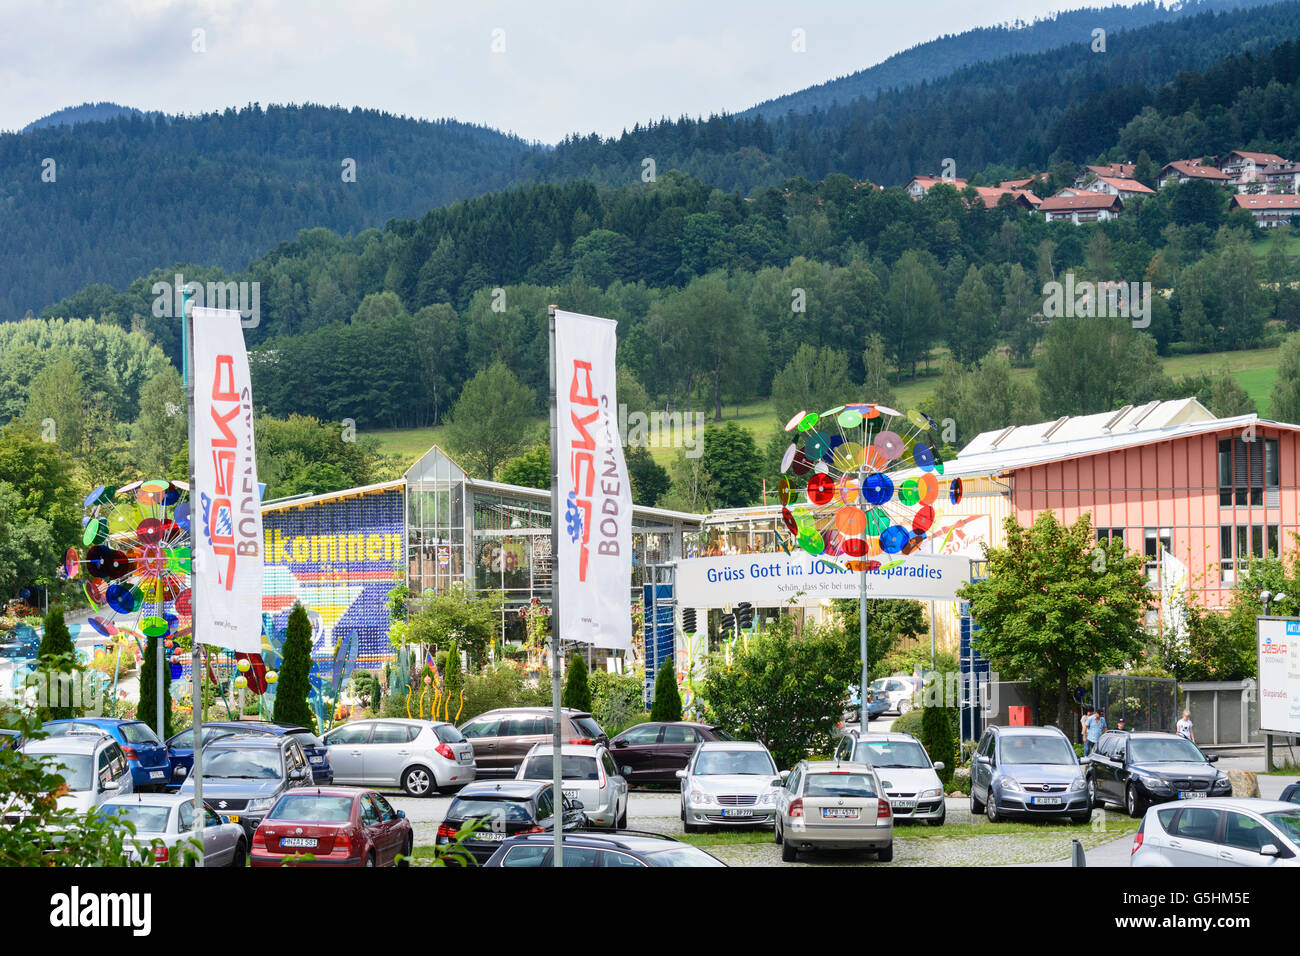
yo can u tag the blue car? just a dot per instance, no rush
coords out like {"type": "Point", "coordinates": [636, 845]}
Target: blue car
{"type": "Point", "coordinates": [877, 704]}
{"type": "Point", "coordinates": [145, 754]}
{"type": "Point", "coordinates": [181, 746]}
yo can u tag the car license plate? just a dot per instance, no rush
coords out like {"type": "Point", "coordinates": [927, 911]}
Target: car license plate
{"type": "Point", "coordinates": [157, 775]}
{"type": "Point", "coordinates": [467, 758]}
{"type": "Point", "coordinates": [902, 804]}
{"type": "Point", "coordinates": [491, 837]}
{"type": "Point", "coordinates": [839, 813]}
{"type": "Point", "coordinates": [737, 813]}
{"type": "Point", "coordinates": [1191, 794]}
{"type": "Point", "coordinates": [317, 759]}
{"type": "Point", "coordinates": [232, 817]}
{"type": "Point", "coordinates": [571, 794]}
{"type": "Point", "coordinates": [298, 842]}
{"type": "Point", "coordinates": [1046, 801]}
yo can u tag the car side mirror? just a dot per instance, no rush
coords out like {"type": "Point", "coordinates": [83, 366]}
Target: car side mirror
{"type": "Point", "coordinates": [619, 743]}
{"type": "Point", "coordinates": [109, 784]}
{"type": "Point", "coordinates": [938, 765]}
{"type": "Point", "coordinates": [297, 774]}
{"type": "Point", "coordinates": [401, 814]}
{"type": "Point", "coordinates": [1211, 758]}
{"type": "Point", "coordinates": [777, 782]}
{"type": "Point", "coordinates": [681, 774]}
{"type": "Point", "coordinates": [627, 771]}
{"type": "Point", "coordinates": [1269, 849]}
{"type": "Point", "coordinates": [784, 775]}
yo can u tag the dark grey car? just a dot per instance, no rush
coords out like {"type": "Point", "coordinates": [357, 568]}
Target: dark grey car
{"type": "Point", "coordinates": [1028, 771]}
{"type": "Point", "coordinates": [244, 774]}
{"type": "Point", "coordinates": [502, 738]}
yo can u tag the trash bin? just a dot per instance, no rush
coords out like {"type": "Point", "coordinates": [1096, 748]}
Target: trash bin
{"type": "Point", "coordinates": [1019, 716]}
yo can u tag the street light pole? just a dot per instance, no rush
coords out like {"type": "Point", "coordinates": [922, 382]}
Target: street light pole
{"type": "Point", "coordinates": [557, 790]}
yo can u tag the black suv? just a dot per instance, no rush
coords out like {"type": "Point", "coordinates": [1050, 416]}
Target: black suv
{"type": "Point", "coordinates": [503, 810]}
{"type": "Point", "coordinates": [1138, 768]}
{"type": "Point", "coordinates": [244, 774]}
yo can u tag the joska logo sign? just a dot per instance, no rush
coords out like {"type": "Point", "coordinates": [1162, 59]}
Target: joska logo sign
{"type": "Point", "coordinates": [594, 563]}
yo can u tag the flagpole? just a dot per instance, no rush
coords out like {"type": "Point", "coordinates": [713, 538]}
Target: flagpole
{"type": "Point", "coordinates": [557, 790]}
{"type": "Point", "coordinates": [196, 517]}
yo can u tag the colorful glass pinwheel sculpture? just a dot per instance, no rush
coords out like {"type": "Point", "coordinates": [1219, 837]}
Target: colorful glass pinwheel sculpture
{"type": "Point", "coordinates": [861, 485]}
{"type": "Point", "coordinates": [135, 569]}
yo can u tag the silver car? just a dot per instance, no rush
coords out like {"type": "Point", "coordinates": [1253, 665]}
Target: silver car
{"type": "Point", "coordinates": [830, 805]}
{"type": "Point", "coordinates": [910, 780]}
{"type": "Point", "coordinates": [588, 775]}
{"type": "Point", "coordinates": [1028, 771]}
{"type": "Point", "coordinates": [93, 765]}
{"type": "Point", "coordinates": [1219, 831]}
{"type": "Point", "coordinates": [420, 756]}
{"type": "Point", "coordinates": [729, 783]}
{"type": "Point", "coordinates": [165, 821]}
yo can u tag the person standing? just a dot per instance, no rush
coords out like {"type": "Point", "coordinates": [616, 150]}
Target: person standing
{"type": "Point", "coordinates": [1083, 728]}
{"type": "Point", "coordinates": [1185, 727]}
{"type": "Point", "coordinates": [1096, 727]}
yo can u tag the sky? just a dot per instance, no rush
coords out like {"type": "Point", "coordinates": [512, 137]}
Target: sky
{"type": "Point", "coordinates": [541, 69]}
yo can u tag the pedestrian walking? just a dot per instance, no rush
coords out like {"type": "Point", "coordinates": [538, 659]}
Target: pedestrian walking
{"type": "Point", "coordinates": [1096, 727]}
{"type": "Point", "coordinates": [1185, 727]}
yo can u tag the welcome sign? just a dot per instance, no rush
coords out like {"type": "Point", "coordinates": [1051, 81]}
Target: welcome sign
{"type": "Point", "coordinates": [1279, 674]}
{"type": "Point", "coordinates": [772, 580]}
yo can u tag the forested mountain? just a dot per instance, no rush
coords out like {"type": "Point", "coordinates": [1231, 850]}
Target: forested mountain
{"type": "Point", "coordinates": [950, 52]}
{"type": "Point", "coordinates": [107, 201]}
{"type": "Point", "coordinates": [85, 113]}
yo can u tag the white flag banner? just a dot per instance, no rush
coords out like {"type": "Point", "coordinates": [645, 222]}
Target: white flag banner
{"type": "Point", "coordinates": [225, 503]}
{"type": "Point", "coordinates": [1173, 596]}
{"type": "Point", "coordinates": [594, 562]}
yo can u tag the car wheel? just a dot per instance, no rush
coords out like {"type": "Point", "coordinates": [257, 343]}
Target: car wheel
{"type": "Point", "coordinates": [241, 855]}
{"type": "Point", "coordinates": [1084, 817]}
{"type": "Point", "coordinates": [407, 850]}
{"type": "Point", "coordinates": [943, 815]}
{"type": "Point", "coordinates": [976, 807]}
{"type": "Point", "coordinates": [370, 860]}
{"type": "Point", "coordinates": [991, 809]}
{"type": "Point", "coordinates": [1133, 803]}
{"type": "Point", "coordinates": [1092, 793]}
{"type": "Point", "coordinates": [621, 822]}
{"type": "Point", "coordinates": [419, 782]}
{"type": "Point", "coordinates": [776, 831]}
{"type": "Point", "coordinates": [886, 854]}
{"type": "Point", "coordinates": [788, 853]}
{"type": "Point", "coordinates": [903, 707]}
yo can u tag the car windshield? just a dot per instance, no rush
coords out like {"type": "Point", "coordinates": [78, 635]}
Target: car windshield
{"type": "Point", "coordinates": [891, 753]}
{"type": "Point", "coordinates": [839, 785]}
{"type": "Point", "coordinates": [1163, 750]}
{"type": "Point", "coordinates": [250, 764]}
{"type": "Point", "coordinates": [1288, 821]}
{"type": "Point", "coordinates": [76, 770]}
{"type": "Point", "coordinates": [147, 819]}
{"type": "Point", "coordinates": [1023, 750]}
{"type": "Point", "coordinates": [589, 727]}
{"type": "Point", "coordinates": [448, 734]}
{"type": "Point", "coordinates": [574, 768]}
{"type": "Point", "coordinates": [714, 762]}
{"type": "Point", "coordinates": [306, 739]}
{"type": "Point", "coordinates": [682, 856]}
{"type": "Point", "coordinates": [139, 734]}
{"type": "Point", "coordinates": [312, 808]}
{"type": "Point", "coordinates": [486, 808]}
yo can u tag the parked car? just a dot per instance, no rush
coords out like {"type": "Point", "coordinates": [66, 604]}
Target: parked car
{"type": "Point", "coordinates": [10, 739]}
{"type": "Point", "coordinates": [654, 752]}
{"type": "Point", "coordinates": [181, 745]}
{"type": "Point", "coordinates": [502, 738]}
{"type": "Point", "coordinates": [897, 691]}
{"type": "Point", "coordinates": [420, 756]}
{"type": "Point", "coordinates": [833, 805]}
{"type": "Point", "coordinates": [1219, 831]}
{"type": "Point", "coordinates": [1290, 795]}
{"type": "Point", "coordinates": [1136, 769]}
{"type": "Point", "coordinates": [877, 704]}
{"type": "Point", "coordinates": [729, 783]}
{"type": "Point", "coordinates": [17, 652]}
{"type": "Point", "coordinates": [23, 634]}
{"type": "Point", "coordinates": [1028, 771]}
{"type": "Point", "coordinates": [337, 826]}
{"type": "Point", "coordinates": [244, 775]}
{"type": "Point", "coordinates": [588, 775]}
{"type": "Point", "coordinates": [145, 753]}
{"type": "Point", "coordinates": [908, 776]}
{"type": "Point", "coordinates": [504, 809]}
{"type": "Point", "coordinates": [613, 850]}
{"type": "Point", "coordinates": [93, 766]}
{"type": "Point", "coordinates": [168, 819]}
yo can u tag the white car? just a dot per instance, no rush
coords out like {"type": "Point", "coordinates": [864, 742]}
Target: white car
{"type": "Point", "coordinates": [729, 783]}
{"type": "Point", "coordinates": [1219, 831]}
{"type": "Point", "coordinates": [897, 690]}
{"type": "Point", "coordinates": [164, 821]}
{"type": "Point", "coordinates": [93, 765]}
{"type": "Point", "coordinates": [420, 756]}
{"type": "Point", "coordinates": [588, 775]}
{"type": "Point", "coordinates": [908, 777]}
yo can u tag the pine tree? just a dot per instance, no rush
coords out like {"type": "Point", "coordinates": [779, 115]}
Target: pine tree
{"type": "Point", "coordinates": [294, 685]}
{"type": "Point", "coordinates": [668, 700]}
{"type": "Point", "coordinates": [939, 739]}
{"type": "Point", "coordinates": [147, 708]}
{"type": "Point", "coordinates": [56, 656]}
{"type": "Point", "coordinates": [577, 689]}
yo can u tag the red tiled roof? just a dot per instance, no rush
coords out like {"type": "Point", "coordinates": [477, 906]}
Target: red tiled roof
{"type": "Point", "coordinates": [1126, 185]}
{"type": "Point", "coordinates": [1194, 170]}
{"type": "Point", "coordinates": [926, 182]}
{"type": "Point", "coordinates": [1258, 158]}
{"type": "Point", "coordinates": [1114, 170]}
{"type": "Point", "coordinates": [1265, 201]}
{"type": "Point", "coordinates": [1016, 183]}
{"type": "Point", "coordinates": [1081, 201]}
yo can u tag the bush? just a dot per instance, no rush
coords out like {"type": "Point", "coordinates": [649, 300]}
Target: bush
{"type": "Point", "coordinates": [294, 685]}
{"type": "Point", "coordinates": [577, 691]}
{"type": "Point", "coordinates": [616, 701]}
{"type": "Point", "coordinates": [939, 740]}
{"type": "Point", "coordinates": [502, 685]}
{"type": "Point", "coordinates": [667, 704]}
{"type": "Point", "coordinates": [909, 723]}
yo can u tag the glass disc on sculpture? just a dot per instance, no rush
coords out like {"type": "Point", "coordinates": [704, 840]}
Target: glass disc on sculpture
{"type": "Point", "coordinates": [865, 479]}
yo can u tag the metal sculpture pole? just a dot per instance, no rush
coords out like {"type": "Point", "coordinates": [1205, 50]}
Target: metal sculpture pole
{"type": "Point", "coordinates": [557, 790]}
{"type": "Point", "coordinates": [196, 670]}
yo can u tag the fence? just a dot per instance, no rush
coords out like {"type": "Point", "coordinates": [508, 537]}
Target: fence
{"type": "Point", "coordinates": [1143, 703]}
{"type": "Point", "coordinates": [1224, 713]}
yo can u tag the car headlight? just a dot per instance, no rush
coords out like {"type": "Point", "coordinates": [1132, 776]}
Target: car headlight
{"type": "Point", "coordinates": [1152, 783]}
{"type": "Point", "coordinates": [930, 793]}
{"type": "Point", "coordinates": [767, 798]}
{"type": "Point", "coordinates": [1222, 781]}
{"type": "Point", "coordinates": [699, 796]}
{"type": "Point", "coordinates": [1009, 784]}
{"type": "Point", "coordinates": [261, 803]}
{"type": "Point", "coordinates": [1078, 783]}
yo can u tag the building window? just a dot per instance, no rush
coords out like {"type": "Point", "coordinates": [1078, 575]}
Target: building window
{"type": "Point", "coordinates": [1154, 541]}
{"type": "Point", "coordinates": [1246, 468]}
{"type": "Point", "coordinates": [1106, 535]}
{"type": "Point", "coordinates": [1239, 543]}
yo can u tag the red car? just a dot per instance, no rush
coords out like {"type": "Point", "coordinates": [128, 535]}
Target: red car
{"type": "Point", "coordinates": [337, 826]}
